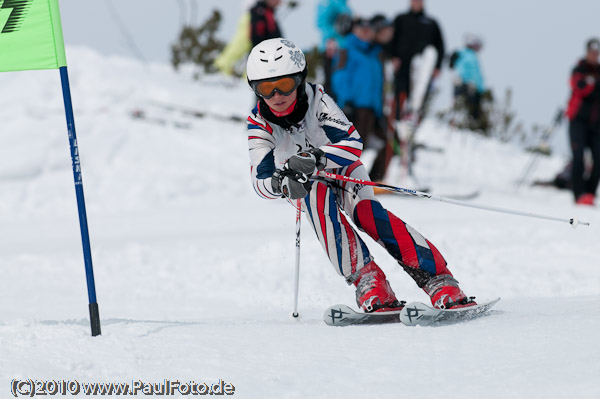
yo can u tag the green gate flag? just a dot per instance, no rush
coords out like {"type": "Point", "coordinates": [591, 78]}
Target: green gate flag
{"type": "Point", "coordinates": [30, 35]}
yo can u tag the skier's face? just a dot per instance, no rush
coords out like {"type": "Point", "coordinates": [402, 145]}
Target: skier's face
{"type": "Point", "coordinates": [593, 51]}
{"type": "Point", "coordinates": [280, 102]}
{"type": "Point", "coordinates": [384, 35]}
{"type": "Point", "coordinates": [365, 33]}
{"type": "Point", "coordinates": [416, 5]}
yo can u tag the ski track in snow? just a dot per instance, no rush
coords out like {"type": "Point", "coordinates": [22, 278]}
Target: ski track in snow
{"type": "Point", "coordinates": [194, 272]}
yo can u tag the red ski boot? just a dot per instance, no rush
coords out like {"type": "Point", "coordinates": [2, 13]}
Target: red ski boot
{"type": "Point", "coordinates": [446, 294]}
{"type": "Point", "coordinates": [373, 291]}
{"type": "Point", "coordinates": [586, 199]}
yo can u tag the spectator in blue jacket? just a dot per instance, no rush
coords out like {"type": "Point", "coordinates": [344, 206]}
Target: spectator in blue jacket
{"type": "Point", "coordinates": [357, 82]}
{"type": "Point", "coordinates": [467, 64]}
{"type": "Point", "coordinates": [469, 85]}
{"type": "Point", "coordinates": [334, 19]}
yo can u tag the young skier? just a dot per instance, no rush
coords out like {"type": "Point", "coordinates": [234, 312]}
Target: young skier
{"type": "Point", "coordinates": [295, 130]}
{"type": "Point", "coordinates": [584, 123]}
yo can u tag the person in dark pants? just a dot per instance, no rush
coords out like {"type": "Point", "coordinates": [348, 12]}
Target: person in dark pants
{"type": "Point", "coordinates": [584, 128]}
{"type": "Point", "coordinates": [263, 24]}
{"type": "Point", "coordinates": [469, 85]}
{"type": "Point", "coordinates": [413, 31]}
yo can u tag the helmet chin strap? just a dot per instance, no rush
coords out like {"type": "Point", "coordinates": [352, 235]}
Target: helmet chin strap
{"type": "Point", "coordinates": [285, 112]}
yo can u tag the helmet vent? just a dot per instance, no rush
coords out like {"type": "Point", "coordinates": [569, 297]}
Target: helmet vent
{"type": "Point", "coordinates": [273, 58]}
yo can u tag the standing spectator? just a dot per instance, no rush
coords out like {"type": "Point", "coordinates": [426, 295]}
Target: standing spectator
{"type": "Point", "coordinates": [334, 19]}
{"type": "Point", "coordinates": [238, 47]}
{"type": "Point", "coordinates": [584, 128]}
{"type": "Point", "coordinates": [469, 86]}
{"type": "Point", "coordinates": [263, 25]}
{"type": "Point", "coordinates": [358, 82]}
{"type": "Point", "coordinates": [384, 31]}
{"type": "Point", "coordinates": [413, 32]}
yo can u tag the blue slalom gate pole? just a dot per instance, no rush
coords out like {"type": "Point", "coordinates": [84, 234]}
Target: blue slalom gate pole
{"type": "Point", "coordinates": [85, 237]}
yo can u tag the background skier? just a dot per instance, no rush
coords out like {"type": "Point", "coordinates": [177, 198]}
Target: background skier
{"type": "Point", "coordinates": [584, 128]}
{"type": "Point", "coordinates": [263, 24]}
{"type": "Point", "coordinates": [238, 47]}
{"type": "Point", "coordinates": [469, 85]}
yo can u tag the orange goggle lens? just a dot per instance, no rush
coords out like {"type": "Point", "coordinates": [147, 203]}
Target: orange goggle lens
{"type": "Point", "coordinates": [285, 86]}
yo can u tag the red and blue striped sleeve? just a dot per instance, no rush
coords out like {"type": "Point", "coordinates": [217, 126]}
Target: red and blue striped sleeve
{"type": "Point", "coordinates": [346, 144]}
{"type": "Point", "coordinates": [261, 145]}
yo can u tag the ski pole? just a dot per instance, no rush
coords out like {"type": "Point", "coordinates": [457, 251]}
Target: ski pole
{"type": "Point", "coordinates": [295, 313]}
{"type": "Point", "coordinates": [534, 159]}
{"type": "Point", "coordinates": [574, 222]}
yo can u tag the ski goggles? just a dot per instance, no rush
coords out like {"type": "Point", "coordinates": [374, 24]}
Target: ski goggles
{"type": "Point", "coordinates": [285, 86]}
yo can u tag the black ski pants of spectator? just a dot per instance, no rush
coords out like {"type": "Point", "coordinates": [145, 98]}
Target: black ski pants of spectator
{"type": "Point", "coordinates": [585, 135]}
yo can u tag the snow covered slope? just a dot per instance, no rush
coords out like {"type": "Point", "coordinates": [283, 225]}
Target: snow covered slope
{"type": "Point", "coordinates": [194, 273]}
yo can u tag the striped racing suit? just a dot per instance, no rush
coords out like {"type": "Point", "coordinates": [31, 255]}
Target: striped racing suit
{"type": "Point", "coordinates": [330, 206]}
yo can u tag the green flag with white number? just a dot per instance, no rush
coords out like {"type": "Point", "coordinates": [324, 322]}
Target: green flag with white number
{"type": "Point", "coordinates": [30, 35]}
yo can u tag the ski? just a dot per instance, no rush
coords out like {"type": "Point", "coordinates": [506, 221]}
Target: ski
{"type": "Point", "coordinates": [422, 68]}
{"type": "Point", "coordinates": [413, 314]}
{"type": "Point", "coordinates": [420, 314]}
{"type": "Point", "coordinates": [344, 315]}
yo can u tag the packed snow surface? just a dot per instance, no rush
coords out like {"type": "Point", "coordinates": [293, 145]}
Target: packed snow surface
{"type": "Point", "coordinates": [194, 272]}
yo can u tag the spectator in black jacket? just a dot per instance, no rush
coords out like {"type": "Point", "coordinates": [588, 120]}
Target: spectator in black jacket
{"type": "Point", "coordinates": [413, 31]}
{"type": "Point", "coordinates": [584, 126]}
{"type": "Point", "coordinates": [263, 24]}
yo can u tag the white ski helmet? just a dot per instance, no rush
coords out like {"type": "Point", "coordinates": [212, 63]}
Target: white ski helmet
{"type": "Point", "coordinates": [273, 58]}
{"type": "Point", "coordinates": [473, 41]}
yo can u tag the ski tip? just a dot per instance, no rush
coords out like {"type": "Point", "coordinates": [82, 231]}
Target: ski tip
{"type": "Point", "coordinates": [491, 302]}
{"type": "Point", "coordinates": [418, 313]}
{"type": "Point", "coordinates": [336, 315]}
